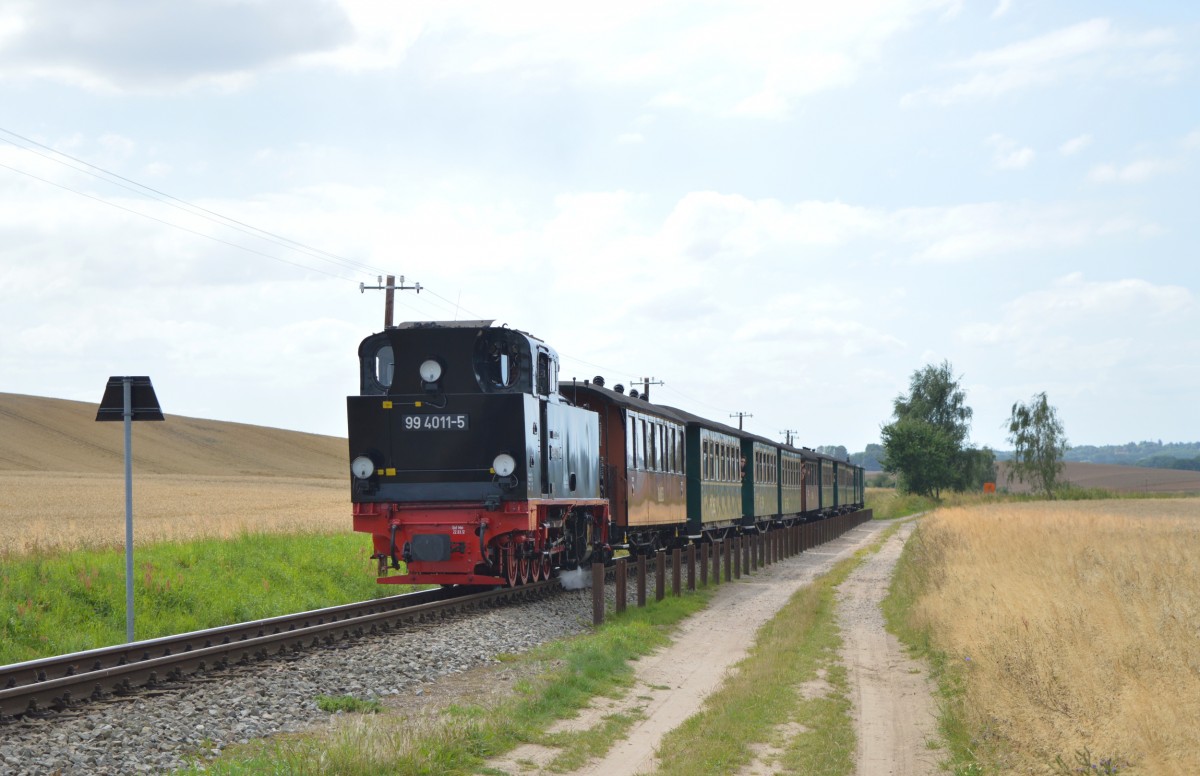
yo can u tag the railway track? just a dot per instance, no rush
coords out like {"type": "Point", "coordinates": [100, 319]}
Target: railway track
{"type": "Point", "coordinates": [58, 683]}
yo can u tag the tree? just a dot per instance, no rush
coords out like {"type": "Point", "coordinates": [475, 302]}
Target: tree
{"type": "Point", "coordinates": [926, 443]}
{"type": "Point", "coordinates": [978, 467]}
{"type": "Point", "coordinates": [921, 453]}
{"type": "Point", "coordinates": [870, 458]}
{"type": "Point", "coordinates": [834, 451]}
{"type": "Point", "coordinates": [937, 398]}
{"type": "Point", "coordinates": [1039, 444]}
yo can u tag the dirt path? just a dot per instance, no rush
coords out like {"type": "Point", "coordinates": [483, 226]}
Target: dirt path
{"type": "Point", "coordinates": [894, 712]}
{"type": "Point", "coordinates": [671, 684]}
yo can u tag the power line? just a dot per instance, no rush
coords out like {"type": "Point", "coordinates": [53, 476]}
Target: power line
{"type": "Point", "coordinates": [176, 226]}
{"type": "Point", "coordinates": [180, 204]}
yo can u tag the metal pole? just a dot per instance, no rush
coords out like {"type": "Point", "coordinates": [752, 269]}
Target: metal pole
{"type": "Point", "coordinates": [127, 384]}
{"type": "Point", "coordinates": [597, 594]}
{"type": "Point", "coordinates": [622, 580]}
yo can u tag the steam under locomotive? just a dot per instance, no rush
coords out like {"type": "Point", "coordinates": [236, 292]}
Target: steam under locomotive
{"type": "Point", "coordinates": [472, 464]}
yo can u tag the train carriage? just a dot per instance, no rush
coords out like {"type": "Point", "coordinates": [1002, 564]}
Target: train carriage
{"type": "Point", "coordinates": [791, 481]}
{"type": "Point", "coordinates": [760, 492]}
{"type": "Point", "coordinates": [642, 449]}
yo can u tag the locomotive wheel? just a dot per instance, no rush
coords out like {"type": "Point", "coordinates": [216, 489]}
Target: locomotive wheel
{"type": "Point", "coordinates": [547, 568]}
{"type": "Point", "coordinates": [535, 570]}
{"type": "Point", "coordinates": [524, 570]}
{"type": "Point", "coordinates": [511, 570]}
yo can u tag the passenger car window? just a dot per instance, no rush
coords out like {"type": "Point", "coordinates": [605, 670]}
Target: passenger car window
{"type": "Point", "coordinates": [631, 444]}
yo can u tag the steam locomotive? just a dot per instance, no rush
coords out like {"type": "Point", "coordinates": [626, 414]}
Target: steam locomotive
{"type": "Point", "coordinates": [472, 464]}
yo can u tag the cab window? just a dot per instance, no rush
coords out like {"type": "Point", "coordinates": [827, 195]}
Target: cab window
{"type": "Point", "coordinates": [385, 366]}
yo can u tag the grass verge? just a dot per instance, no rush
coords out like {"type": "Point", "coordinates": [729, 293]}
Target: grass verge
{"type": "Point", "coordinates": [462, 738]}
{"type": "Point", "coordinates": [909, 581]}
{"type": "Point", "coordinates": [890, 504]}
{"type": "Point", "coordinates": [52, 604]}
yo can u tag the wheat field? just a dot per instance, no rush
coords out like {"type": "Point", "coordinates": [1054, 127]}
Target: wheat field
{"type": "Point", "coordinates": [62, 482]}
{"type": "Point", "coordinates": [1075, 626]}
{"type": "Point", "coordinates": [53, 512]}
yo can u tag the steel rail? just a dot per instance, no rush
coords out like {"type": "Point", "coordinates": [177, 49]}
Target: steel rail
{"type": "Point", "coordinates": [57, 683]}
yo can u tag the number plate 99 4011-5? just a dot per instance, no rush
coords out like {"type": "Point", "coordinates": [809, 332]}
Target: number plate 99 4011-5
{"type": "Point", "coordinates": [437, 422]}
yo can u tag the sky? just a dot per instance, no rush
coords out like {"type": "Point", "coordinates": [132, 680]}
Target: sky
{"type": "Point", "coordinates": [783, 209]}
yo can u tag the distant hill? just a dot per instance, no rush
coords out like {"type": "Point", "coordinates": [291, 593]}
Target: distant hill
{"type": "Point", "coordinates": [41, 434]}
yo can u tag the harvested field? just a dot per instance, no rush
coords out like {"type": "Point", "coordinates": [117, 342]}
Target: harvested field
{"type": "Point", "coordinates": [1075, 628]}
{"type": "Point", "coordinates": [1121, 479]}
{"type": "Point", "coordinates": [50, 512]}
{"type": "Point", "coordinates": [42, 435]}
{"type": "Point", "coordinates": [62, 480]}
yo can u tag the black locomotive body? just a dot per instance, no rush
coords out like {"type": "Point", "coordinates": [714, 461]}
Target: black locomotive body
{"type": "Point", "coordinates": [467, 465]}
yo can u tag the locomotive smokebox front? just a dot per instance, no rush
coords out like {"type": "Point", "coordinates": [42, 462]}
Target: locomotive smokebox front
{"type": "Point", "coordinates": [444, 417]}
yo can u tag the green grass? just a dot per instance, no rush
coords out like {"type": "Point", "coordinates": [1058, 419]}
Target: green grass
{"type": "Point", "coordinates": [890, 505]}
{"type": "Point", "coordinates": [348, 704]}
{"type": "Point", "coordinates": [67, 602]}
{"type": "Point", "coordinates": [574, 671]}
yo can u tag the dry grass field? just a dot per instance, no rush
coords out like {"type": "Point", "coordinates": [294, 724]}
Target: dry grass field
{"type": "Point", "coordinates": [62, 480]}
{"type": "Point", "coordinates": [1076, 626]}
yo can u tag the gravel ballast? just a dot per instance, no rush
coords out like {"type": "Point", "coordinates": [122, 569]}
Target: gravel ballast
{"type": "Point", "coordinates": [163, 730]}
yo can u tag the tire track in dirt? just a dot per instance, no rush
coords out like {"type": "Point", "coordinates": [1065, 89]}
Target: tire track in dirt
{"type": "Point", "coordinates": [892, 696]}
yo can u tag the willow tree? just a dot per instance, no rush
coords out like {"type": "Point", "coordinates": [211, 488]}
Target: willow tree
{"type": "Point", "coordinates": [1039, 444]}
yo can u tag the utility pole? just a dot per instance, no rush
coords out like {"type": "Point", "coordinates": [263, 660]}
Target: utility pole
{"type": "Point", "coordinates": [739, 416]}
{"type": "Point", "coordinates": [645, 382]}
{"type": "Point", "coordinates": [787, 433]}
{"type": "Point", "coordinates": [390, 298]}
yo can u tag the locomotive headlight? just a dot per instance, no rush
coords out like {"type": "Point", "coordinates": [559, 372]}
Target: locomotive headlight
{"type": "Point", "coordinates": [430, 370]}
{"type": "Point", "coordinates": [504, 464]}
{"type": "Point", "coordinates": [362, 467]}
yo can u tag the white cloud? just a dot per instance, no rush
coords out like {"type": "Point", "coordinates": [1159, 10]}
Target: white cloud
{"type": "Point", "coordinates": [1138, 171]}
{"type": "Point", "coordinates": [631, 138]}
{"type": "Point", "coordinates": [1002, 7]}
{"type": "Point", "coordinates": [1073, 297]}
{"type": "Point", "coordinates": [1084, 51]}
{"type": "Point", "coordinates": [729, 58]}
{"type": "Point", "coordinates": [109, 45]}
{"type": "Point", "coordinates": [1072, 301]}
{"type": "Point", "coordinates": [1075, 145]}
{"type": "Point", "coordinates": [1007, 154]}
{"type": "Point", "coordinates": [1082, 332]}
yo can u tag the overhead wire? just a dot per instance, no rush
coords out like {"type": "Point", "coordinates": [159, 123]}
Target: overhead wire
{"type": "Point", "coordinates": [220, 219]}
{"type": "Point", "coordinates": [176, 226]}
{"type": "Point", "coordinates": [191, 208]}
